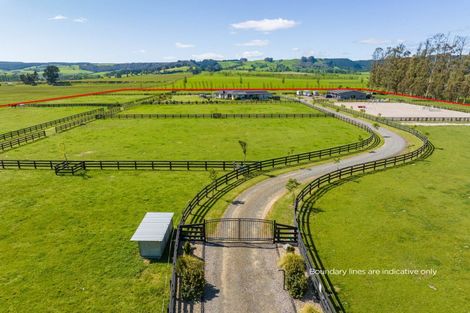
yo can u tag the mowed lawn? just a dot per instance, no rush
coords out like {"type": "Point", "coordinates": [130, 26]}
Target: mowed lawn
{"type": "Point", "coordinates": [65, 241]}
{"type": "Point", "coordinates": [412, 217]}
{"type": "Point", "coordinates": [229, 107]}
{"type": "Point", "coordinates": [13, 118]}
{"type": "Point", "coordinates": [190, 139]}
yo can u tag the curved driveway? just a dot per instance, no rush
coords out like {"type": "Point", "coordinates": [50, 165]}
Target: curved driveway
{"type": "Point", "coordinates": [245, 278]}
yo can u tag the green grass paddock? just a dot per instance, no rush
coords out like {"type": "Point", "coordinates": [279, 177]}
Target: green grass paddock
{"type": "Point", "coordinates": [412, 217]}
{"type": "Point", "coordinates": [114, 98]}
{"type": "Point", "coordinates": [190, 139]}
{"type": "Point", "coordinates": [229, 107]}
{"type": "Point", "coordinates": [19, 117]}
{"type": "Point", "coordinates": [65, 241]}
{"type": "Point", "coordinates": [238, 79]}
{"type": "Point", "coordinates": [18, 92]}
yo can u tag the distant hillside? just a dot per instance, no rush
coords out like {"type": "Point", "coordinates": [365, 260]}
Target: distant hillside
{"type": "Point", "coordinates": [12, 70]}
{"type": "Point", "coordinates": [305, 64]}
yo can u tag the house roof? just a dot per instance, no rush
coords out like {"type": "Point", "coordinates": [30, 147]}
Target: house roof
{"type": "Point", "coordinates": [243, 92]}
{"type": "Point", "coordinates": [344, 91]}
{"type": "Point", "coordinates": [153, 227]}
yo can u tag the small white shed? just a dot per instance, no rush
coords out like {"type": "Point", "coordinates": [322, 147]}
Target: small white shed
{"type": "Point", "coordinates": [153, 234]}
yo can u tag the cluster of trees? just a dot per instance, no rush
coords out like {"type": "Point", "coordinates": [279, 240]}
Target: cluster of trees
{"type": "Point", "coordinates": [51, 75]}
{"type": "Point", "coordinates": [193, 66]}
{"type": "Point", "coordinates": [308, 60]}
{"type": "Point", "coordinates": [438, 69]}
{"type": "Point", "coordinates": [30, 78]}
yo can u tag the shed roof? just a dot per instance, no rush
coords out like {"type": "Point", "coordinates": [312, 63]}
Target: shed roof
{"type": "Point", "coordinates": [243, 92]}
{"type": "Point", "coordinates": [153, 227]}
{"type": "Point", "coordinates": [342, 91]}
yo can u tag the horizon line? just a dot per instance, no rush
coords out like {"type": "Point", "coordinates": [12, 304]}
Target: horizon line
{"type": "Point", "coordinates": [179, 60]}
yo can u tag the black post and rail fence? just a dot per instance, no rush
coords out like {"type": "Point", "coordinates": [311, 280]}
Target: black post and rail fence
{"type": "Point", "coordinates": [373, 139]}
{"type": "Point", "coordinates": [18, 141]}
{"type": "Point", "coordinates": [238, 170]}
{"type": "Point", "coordinates": [329, 299]}
{"type": "Point", "coordinates": [191, 216]}
{"type": "Point", "coordinates": [217, 115]}
{"type": "Point", "coordinates": [39, 127]}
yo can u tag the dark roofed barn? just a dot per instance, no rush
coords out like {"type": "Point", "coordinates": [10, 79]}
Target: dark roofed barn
{"type": "Point", "coordinates": [348, 95]}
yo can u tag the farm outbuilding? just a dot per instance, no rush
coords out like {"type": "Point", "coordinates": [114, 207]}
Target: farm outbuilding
{"type": "Point", "coordinates": [243, 94]}
{"type": "Point", "coordinates": [153, 234]}
{"type": "Point", "coordinates": [347, 95]}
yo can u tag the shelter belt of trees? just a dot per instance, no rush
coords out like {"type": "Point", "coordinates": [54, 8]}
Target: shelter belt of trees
{"type": "Point", "coordinates": [439, 68]}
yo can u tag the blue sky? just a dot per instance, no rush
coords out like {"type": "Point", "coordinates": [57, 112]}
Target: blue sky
{"type": "Point", "coordinates": [147, 31]}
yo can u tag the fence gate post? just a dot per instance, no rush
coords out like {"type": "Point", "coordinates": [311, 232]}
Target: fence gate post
{"type": "Point", "coordinates": [239, 229]}
{"type": "Point", "coordinates": [274, 231]}
{"type": "Point", "coordinates": [204, 230]}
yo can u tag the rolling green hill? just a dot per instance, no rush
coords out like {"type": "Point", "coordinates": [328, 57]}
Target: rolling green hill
{"type": "Point", "coordinates": [10, 71]}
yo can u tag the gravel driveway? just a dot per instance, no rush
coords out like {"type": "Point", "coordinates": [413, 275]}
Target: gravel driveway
{"type": "Point", "coordinates": [245, 277]}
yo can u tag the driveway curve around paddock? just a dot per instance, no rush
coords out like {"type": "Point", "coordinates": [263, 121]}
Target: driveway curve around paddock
{"type": "Point", "coordinates": [244, 277]}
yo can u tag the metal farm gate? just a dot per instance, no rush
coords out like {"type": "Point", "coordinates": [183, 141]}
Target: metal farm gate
{"type": "Point", "coordinates": [239, 230]}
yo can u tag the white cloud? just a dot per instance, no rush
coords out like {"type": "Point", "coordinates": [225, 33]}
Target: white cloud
{"type": "Point", "coordinates": [183, 45]}
{"type": "Point", "coordinates": [208, 55]}
{"type": "Point", "coordinates": [80, 20]}
{"type": "Point", "coordinates": [295, 49]}
{"type": "Point", "coordinates": [374, 41]}
{"type": "Point", "coordinates": [252, 54]}
{"type": "Point", "coordinates": [265, 25]}
{"type": "Point", "coordinates": [58, 18]}
{"type": "Point", "coordinates": [254, 43]}
{"type": "Point", "coordinates": [169, 58]}
{"type": "Point", "coordinates": [141, 51]}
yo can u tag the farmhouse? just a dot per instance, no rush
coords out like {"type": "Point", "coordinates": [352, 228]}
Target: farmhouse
{"type": "Point", "coordinates": [347, 95]}
{"type": "Point", "coordinates": [243, 94]}
{"type": "Point", "coordinates": [153, 234]}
